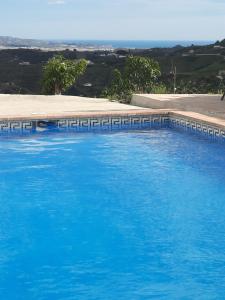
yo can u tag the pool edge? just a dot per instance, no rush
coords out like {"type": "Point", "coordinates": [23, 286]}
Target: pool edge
{"type": "Point", "coordinates": [108, 120]}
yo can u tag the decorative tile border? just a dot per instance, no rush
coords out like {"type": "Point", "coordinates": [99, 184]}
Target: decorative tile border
{"type": "Point", "coordinates": [16, 126]}
{"type": "Point", "coordinates": [85, 124]}
{"type": "Point", "coordinates": [114, 123]}
{"type": "Point", "coordinates": [184, 121]}
{"type": "Point", "coordinates": [197, 127]}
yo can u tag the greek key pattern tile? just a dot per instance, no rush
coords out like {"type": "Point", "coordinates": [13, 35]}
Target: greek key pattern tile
{"type": "Point", "coordinates": [197, 127]}
{"type": "Point", "coordinates": [113, 123]}
{"type": "Point", "coordinates": [15, 126]}
{"type": "Point", "coordinates": [85, 124]}
{"type": "Point", "coordinates": [110, 123]}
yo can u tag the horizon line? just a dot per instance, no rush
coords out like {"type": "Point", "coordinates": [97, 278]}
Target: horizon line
{"type": "Point", "coordinates": [113, 39]}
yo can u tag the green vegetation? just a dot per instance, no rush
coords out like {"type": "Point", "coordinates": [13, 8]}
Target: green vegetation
{"type": "Point", "coordinates": [119, 89]}
{"type": "Point", "coordinates": [60, 74]}
{"type": "Point", "coordinates": [199, 69]}
{"type": "Point", "coordinates": [159, 88]}
{"type": "Point", "coordinates": [139, 76]}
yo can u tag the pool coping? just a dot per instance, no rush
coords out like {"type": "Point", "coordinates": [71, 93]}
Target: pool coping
{"type": "Point", "coordinates": [121, 113]}
{"type": "Point", "coordinates": [120, 118]}
{"type": "Point", "coordinates": [82, 114]}
{"type": "Point", "coordinates": [216, 122]}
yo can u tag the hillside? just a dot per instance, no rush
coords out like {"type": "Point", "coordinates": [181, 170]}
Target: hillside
{"type": "Point", "coordinates": [8, 41]}
{"type": "Point", "coordinates": [199, 68]}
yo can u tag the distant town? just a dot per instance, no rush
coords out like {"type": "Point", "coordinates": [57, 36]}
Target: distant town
{"type": "Point", "coordinates": [7, 42]}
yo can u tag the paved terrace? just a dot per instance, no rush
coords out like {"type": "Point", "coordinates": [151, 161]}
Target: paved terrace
{"type": "Point", "coordinates": [209, 105]}
{"type": "Point", "coordinates": [36, 106]}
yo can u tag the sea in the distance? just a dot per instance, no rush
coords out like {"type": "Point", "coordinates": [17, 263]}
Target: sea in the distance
{"type": "Point", "coordinates": [138, 44]}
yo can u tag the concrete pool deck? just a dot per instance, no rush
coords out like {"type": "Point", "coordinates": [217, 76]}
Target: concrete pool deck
{"type": "Point", "coordinates": [26, 106]}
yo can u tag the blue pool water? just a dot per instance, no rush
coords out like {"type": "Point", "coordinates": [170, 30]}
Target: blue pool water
{"type": "Point", "coordinates": [126, 215]}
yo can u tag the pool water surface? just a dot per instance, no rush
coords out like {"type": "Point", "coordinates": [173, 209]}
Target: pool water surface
{"type": "Point", "coordinates": [125, 215]}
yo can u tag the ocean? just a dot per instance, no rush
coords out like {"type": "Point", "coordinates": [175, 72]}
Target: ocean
{"type": "Point", "coordinates": [138, 44]}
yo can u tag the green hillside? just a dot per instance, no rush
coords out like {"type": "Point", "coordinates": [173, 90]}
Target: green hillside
{"type": "Point", "coordinates": [199, 68]}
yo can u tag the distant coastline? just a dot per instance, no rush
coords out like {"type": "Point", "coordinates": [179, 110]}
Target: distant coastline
{"type": "Point", "coordinates": [7, 42]}
{"type": "Point", "coordinates": [135, 44]}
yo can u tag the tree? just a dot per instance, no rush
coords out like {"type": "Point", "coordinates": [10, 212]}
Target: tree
{"type": "Point", "coordinates": [119, 89]}
{"type": "Point", "coordinates": [139, 76]}
{"type": "Point", "coordinates": [116, 89]}
{"type": "Point", "coordinates": [61, 73]}
{"type": "Point", "coordinates": [141, 73]}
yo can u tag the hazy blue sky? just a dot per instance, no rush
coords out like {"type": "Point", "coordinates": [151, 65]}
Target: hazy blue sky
{"type": "Point", "coordinates": [114, 19]}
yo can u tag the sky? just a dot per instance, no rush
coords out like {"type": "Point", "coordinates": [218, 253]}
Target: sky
{"type": "Point", "coordinates": [113, 19]}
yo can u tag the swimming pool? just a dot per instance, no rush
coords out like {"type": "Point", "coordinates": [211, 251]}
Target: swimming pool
{"type": "Point", "coordinates": [123, 215]}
